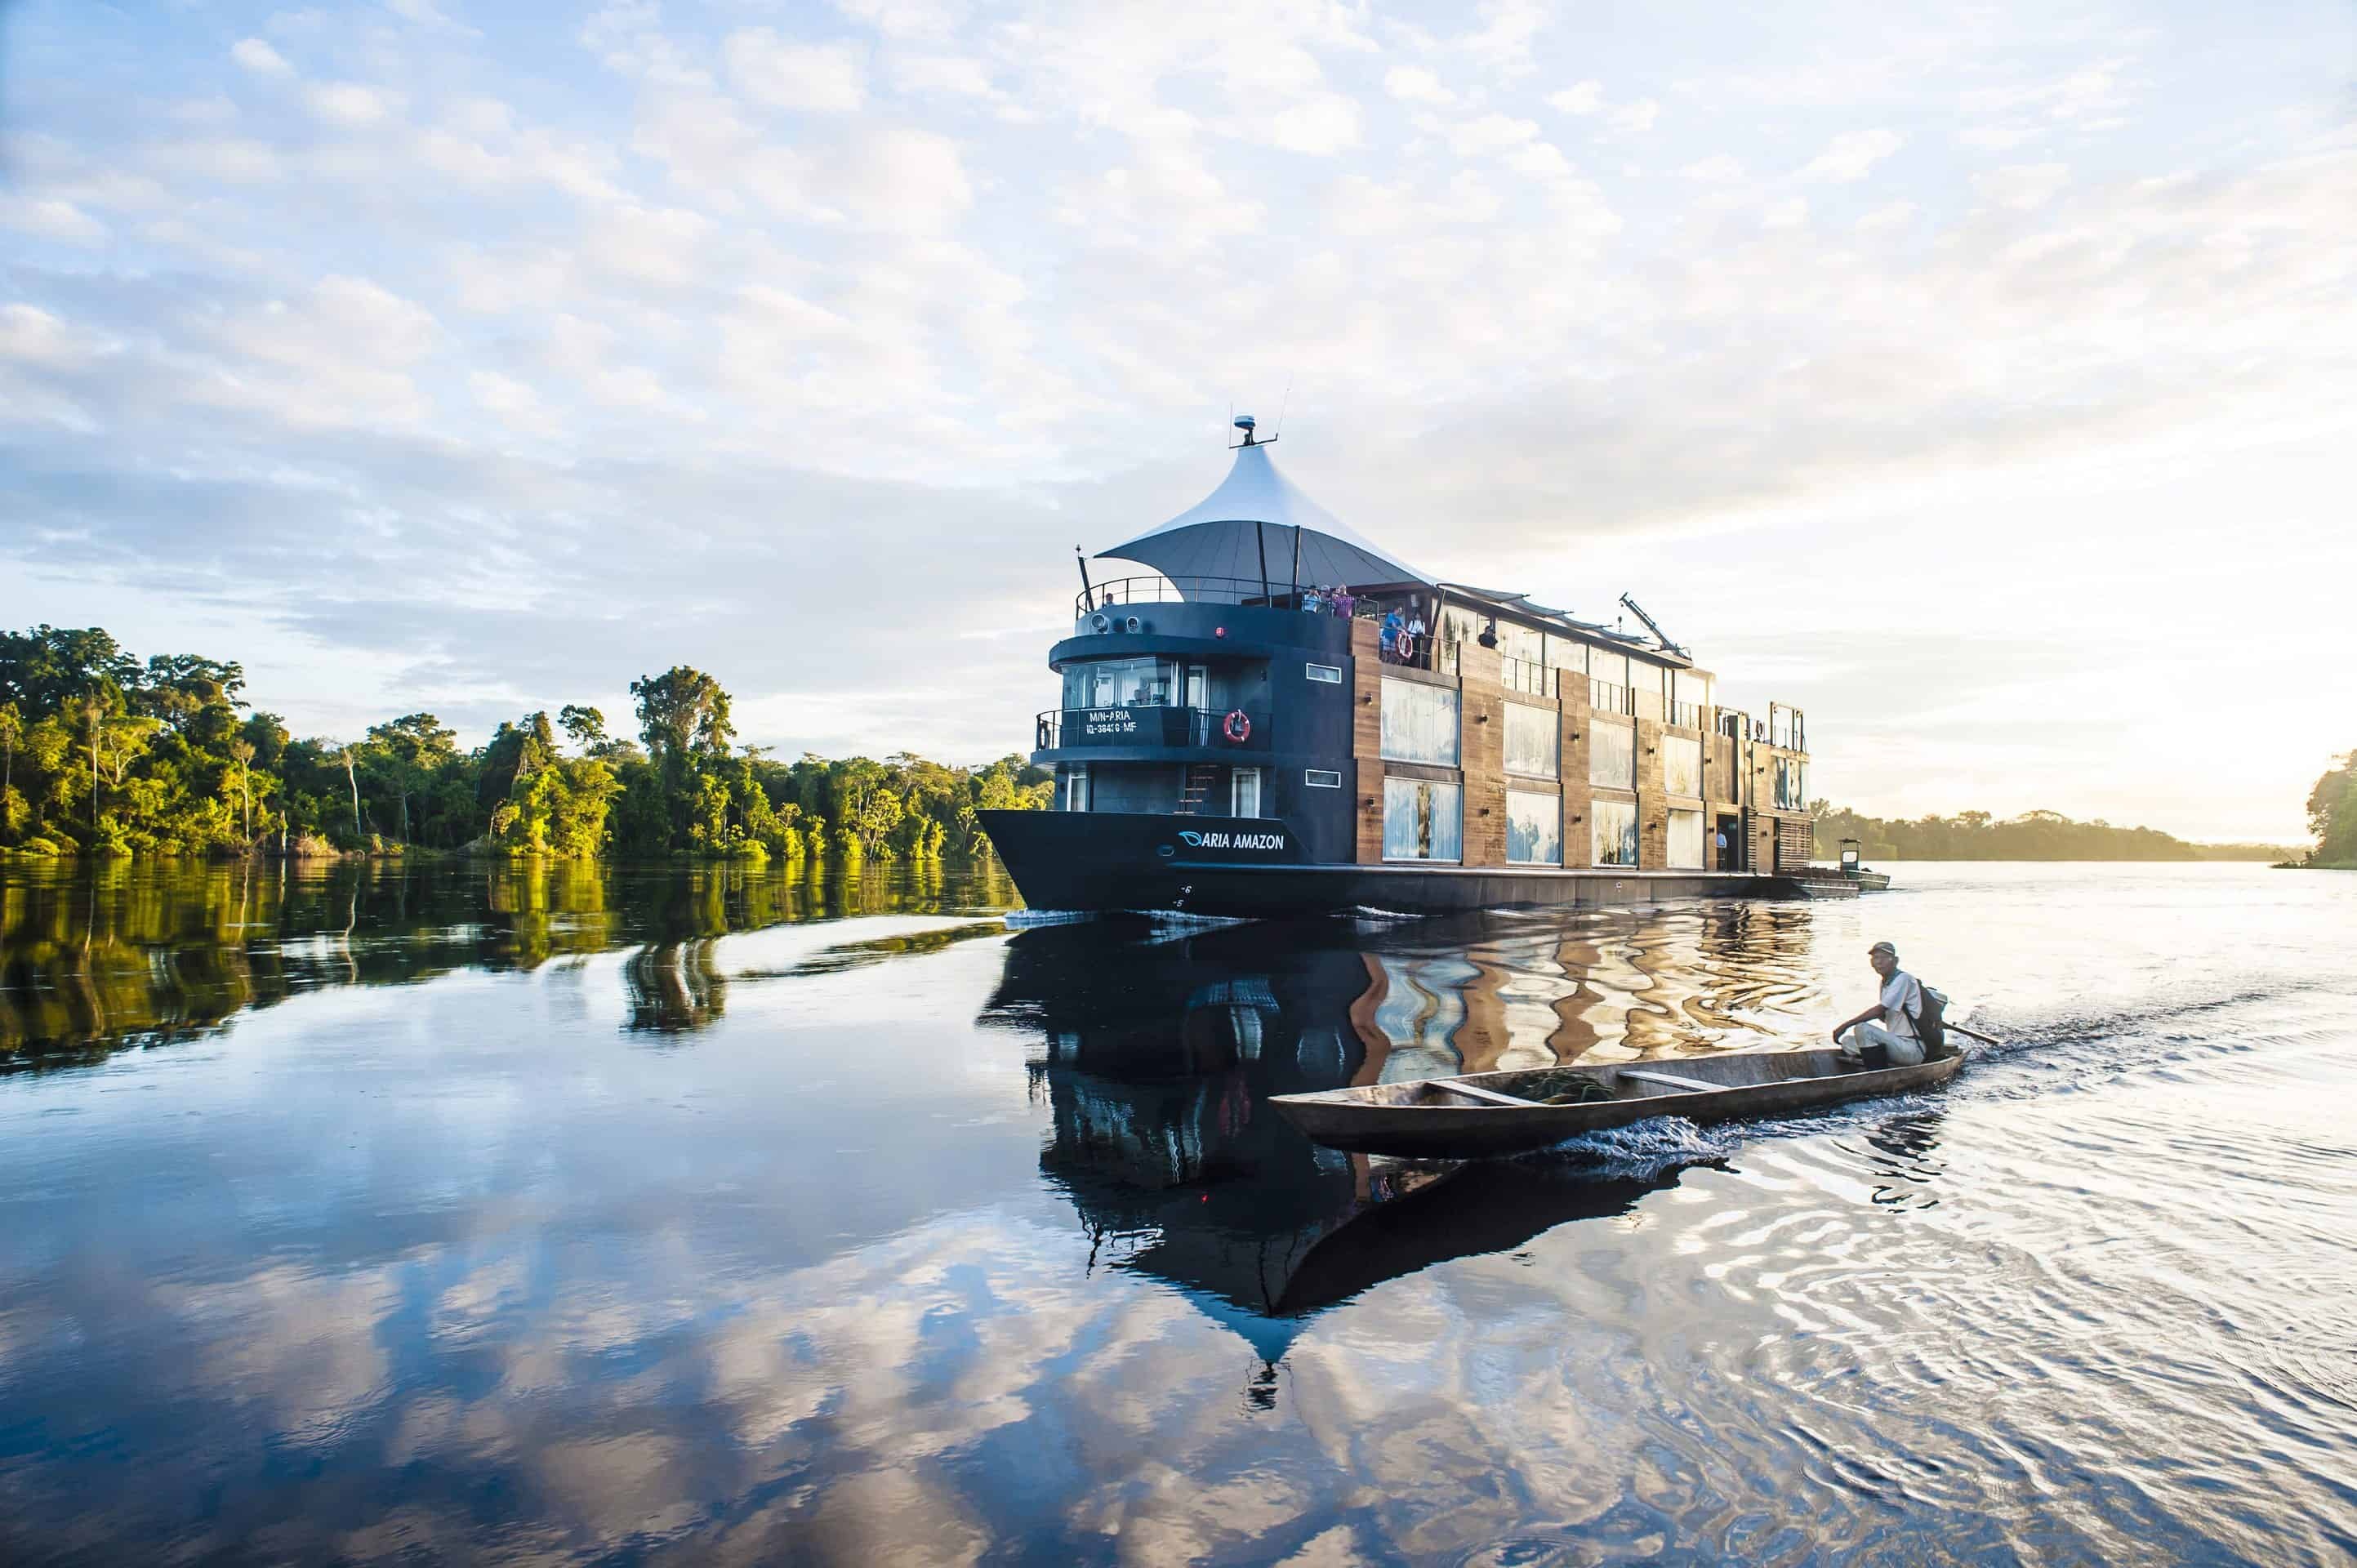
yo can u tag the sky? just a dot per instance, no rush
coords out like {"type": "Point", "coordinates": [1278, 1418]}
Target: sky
{"type": "Point", "coordinates": [1978, 381]}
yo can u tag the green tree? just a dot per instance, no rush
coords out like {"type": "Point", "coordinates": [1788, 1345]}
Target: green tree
{"type": "Point", "coordinates": [2332, 815]}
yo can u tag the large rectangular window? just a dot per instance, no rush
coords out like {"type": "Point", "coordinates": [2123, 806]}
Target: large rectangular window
{"type": "Point", "coordinates": [1562, 654]}
{"type": "Point", "coordinates": [1522, 642]}
{"type": "Point", "coordinates": [1243, 792]}
{"type": "Point", "coordinates": [1534, 828]}
{"type": "Point", "coordinates": [1612, 754]}
{"type": "Point", "coordinates": [1792, 784]}
{"type": "Point", "coordinates": [1076, 790]}
{"type": "Point", "coordinates": [1616, 832]}
{"type": "Point", "coordinates": [1690, 698]}
{"type": "Point", "coordinates": [1423, 819]}
{"type": "Point", "coordinates": [1532, 740]}
{"type": "Point", "coordinates": [1122, 684]}
{"type": "Point", "coordinates": [1419, 723]}
{"type": "Point", "coordinates": [1681, 766]}
{"type": "Point", "coordinates": [1648, 683]}
{"type": "Point", "coordinates": [1685, 840]}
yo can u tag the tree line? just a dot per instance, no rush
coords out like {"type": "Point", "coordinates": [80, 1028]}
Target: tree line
{"type": "Point", "coordinates": [103, 754]}
{"type": "Point", "coordinates": [2033, 835]}
{"type": "Point", "coordinates": [2332, 816]}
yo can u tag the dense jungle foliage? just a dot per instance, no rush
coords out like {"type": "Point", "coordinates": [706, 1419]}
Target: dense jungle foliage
{"type": "Point", "coordinates": [102, 753]}
{"type": "Point", "coordinates": [2332, 817]}
{"type": "Point", "coordinates": [2033, 835]}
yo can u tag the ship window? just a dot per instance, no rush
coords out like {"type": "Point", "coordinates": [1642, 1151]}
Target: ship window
{"type": "Point", "coordinates": [1792, 784]}
{"type": "Point", "coordinates": [1646, 683]}
{"type": "Point", "coordinates": [1612, 754]}
{"type": "Point", "coordinates": [1076, 790]}
{"type": "Point", "coordinates": [1685, 840]}
{"type": "Point", "coordinates": [1522, 642]}
{"type": "Point", "coordinates": [1534, 828]}
{"type": "Point", "coordinates": [1562, 654]}
{"type": "Point", "coordinates": [1328, 675]}
{"type": "Point", "coordinates": [1616, 832]}
{"type": "Point", "coordinates": [1322, 779]}
{"type": "Point", "coordinates": [1530, 740]}
{"type": "Point", "coordinates": [1122, 684]}
{"type": "Point", "coordinates": [1243, 792]}
{"type": "Point", "coordinates": [1422, 819]}
{"type": "Point", "coordinates": [1681, 766]}
{"type": "Point", "coordinates": [1419, 723]}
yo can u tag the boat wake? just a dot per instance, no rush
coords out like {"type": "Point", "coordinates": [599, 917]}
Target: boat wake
{"type": "Point", "coordinates": [1640, 1150]}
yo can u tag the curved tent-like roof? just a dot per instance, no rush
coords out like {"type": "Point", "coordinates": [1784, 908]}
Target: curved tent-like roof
{"type": "Point", "coordinates": [1221, 535]}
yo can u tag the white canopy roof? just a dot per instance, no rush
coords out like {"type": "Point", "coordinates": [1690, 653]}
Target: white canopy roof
{"type": "Point", "coordinates": [1222, 534]}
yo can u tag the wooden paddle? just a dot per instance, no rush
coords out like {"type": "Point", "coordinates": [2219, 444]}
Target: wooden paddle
{"type": "Point", "coordinates": [1971, 1033]}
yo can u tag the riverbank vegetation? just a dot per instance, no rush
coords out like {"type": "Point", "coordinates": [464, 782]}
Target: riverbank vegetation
{"type": "Point", "coordinates": [103, 754]}
{"type": "Point", "coordinates": [2332, 818]}
{"type": "Point", "coordinates": [2033, 835]}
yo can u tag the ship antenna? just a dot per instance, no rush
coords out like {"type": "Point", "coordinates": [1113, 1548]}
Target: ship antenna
{"type": "Point", "coordinates": [1280, 409]}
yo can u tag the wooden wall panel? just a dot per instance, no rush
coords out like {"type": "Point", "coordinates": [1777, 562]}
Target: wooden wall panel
{"type": "Point", "coordinates": [1578, 833]}
{"type": "Point", "coordinates": [1482, 717]}
{"type": "Point", "coordinates": [1653, 809]}
{"type": "Point", "coordinates": [1367, 802]}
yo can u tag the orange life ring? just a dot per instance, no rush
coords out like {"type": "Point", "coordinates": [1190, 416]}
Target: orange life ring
{"type": "Point", "coordinates": [1404, 643]}
{"type": "Point", "coordinates": [1237, 725]}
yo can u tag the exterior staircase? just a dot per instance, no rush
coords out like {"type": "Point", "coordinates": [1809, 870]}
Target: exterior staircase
{"type": "Point", "coordinates": [1201, 778]}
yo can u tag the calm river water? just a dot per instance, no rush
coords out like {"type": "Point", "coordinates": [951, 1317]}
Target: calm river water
{"type": "Point", "coordinates": [689, 1216]}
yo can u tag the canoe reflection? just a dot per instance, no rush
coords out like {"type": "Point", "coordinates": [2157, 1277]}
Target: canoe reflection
{"type": "Point", "coordinates": [1156, 1060]}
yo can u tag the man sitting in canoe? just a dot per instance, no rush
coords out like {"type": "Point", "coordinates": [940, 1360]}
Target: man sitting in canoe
{"type": "Point", "coordinates": [1900, 1005]}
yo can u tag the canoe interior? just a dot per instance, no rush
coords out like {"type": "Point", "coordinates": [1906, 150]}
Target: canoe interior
{"type": "Point", "coordinates": [1735, 1069]}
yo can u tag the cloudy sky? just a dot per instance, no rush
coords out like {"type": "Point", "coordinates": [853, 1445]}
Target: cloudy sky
{"type": "Point", "coordinates": [1980, 381]}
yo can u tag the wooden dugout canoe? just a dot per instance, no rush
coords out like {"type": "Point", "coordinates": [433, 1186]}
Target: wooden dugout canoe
{"type": "Point", "coordinates": [1484, 1115]}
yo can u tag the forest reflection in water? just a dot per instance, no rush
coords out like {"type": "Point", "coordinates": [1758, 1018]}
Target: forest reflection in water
{"type": "Point", "coordinates": [134, 953]}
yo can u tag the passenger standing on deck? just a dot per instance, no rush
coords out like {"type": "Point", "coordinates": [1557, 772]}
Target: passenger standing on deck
{"type": "Point", "coordinates": [1343, 600]}
{"type": "Point", "coordinates": [1900, 1004]}
{"type": "Point", "coordinates": [1393, 626]}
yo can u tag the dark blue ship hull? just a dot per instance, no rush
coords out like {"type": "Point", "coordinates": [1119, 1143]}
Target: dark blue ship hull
{"type": "Point", "coordinates": [1102, 862]}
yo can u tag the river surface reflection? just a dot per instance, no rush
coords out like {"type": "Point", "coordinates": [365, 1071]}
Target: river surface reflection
{"type": "Point", "coordinates": [604, 1215]}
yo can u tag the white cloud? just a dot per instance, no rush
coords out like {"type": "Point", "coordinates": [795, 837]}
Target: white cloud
{"type": "Point", "coordinates": [51, 218]}
{"type": "Point", "coordinates": [1720, 169]}
{"type": "Point", "coordinates": [2021, 186]}
{"type": "Point", "coordinates": [1580, 98]}
{"type": "Point", "coordinates": [1636, 118]}
{"type": "Point", "coordinates": [826, 78]}
{"type": "Point", "coordinates": [1414, 84]}
{"type": "Point", "coordinates": [1852, 155]}
{"type": "Point", "coordinates": [1322, 125]}
{"type": "Point", "coordinates": [351, 103]}
{"type": "Point", "coordinates": [514, 403]}
{"type": "Point", "coordinates": [259, 58]}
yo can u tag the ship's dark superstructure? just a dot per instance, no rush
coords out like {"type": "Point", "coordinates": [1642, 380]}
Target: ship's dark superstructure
{"type": "Point", "coordinates": [1284, 718]}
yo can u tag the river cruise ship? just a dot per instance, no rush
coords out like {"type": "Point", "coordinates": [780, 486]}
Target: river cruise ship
{"type": "Point", "coordinates": [1279, 717]}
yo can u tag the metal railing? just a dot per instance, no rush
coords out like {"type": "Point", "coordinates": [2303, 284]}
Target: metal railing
{"type": "Point", "coordinates": [1527, 675]}
{"type": "Point", "coordinates": [1147, 725]}
{"type": "Point", "coordinates": [1122, 591]}
{"type": "Point", "coordinates": [1606, 698]}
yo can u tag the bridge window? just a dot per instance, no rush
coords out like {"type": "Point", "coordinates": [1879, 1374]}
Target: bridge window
{"type": "Point", "coordinates": [1322, 779]}
{"type": "Point", "coordinates": [1327, 675]}
{"type": "Point", "coordinates": [1123, 683]}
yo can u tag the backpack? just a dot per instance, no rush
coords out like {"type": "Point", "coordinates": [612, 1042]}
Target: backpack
{"type": "Point", "coordinates": [1931, 1021]}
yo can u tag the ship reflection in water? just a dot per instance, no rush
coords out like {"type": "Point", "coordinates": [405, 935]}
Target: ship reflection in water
{"type": "Point", "coordinates": [1157, 1054]}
